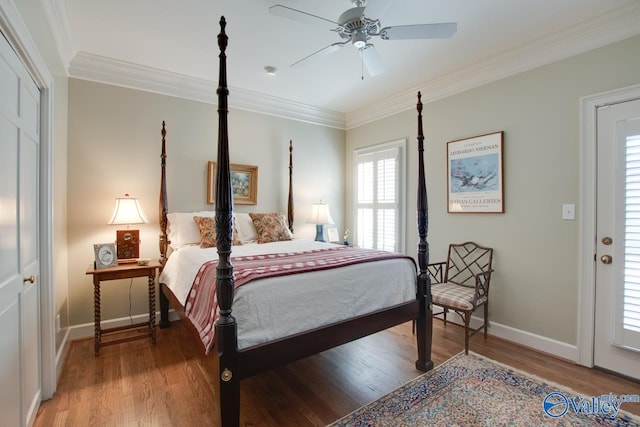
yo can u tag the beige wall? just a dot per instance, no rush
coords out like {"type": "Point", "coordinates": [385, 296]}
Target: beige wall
{"type": "Point", "coordinates": [32, 15]}
{"type": "Point", "coordinates": [114, 148]}
{"type": "Point", "coordinates": [114, 136]}
{"type": "Point", "coordinates": [535, 285]}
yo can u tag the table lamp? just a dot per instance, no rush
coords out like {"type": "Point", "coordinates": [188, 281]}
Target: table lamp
{"type": "Point", "coordinates": [127, 212]}
{"type": "Point", "coordinates": [320, 216]}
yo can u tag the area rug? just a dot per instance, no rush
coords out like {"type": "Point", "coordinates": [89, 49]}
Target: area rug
{"type": "Point", "coordinates": [472, 390]}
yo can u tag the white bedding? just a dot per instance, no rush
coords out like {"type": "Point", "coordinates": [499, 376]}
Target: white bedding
{"type": "Point", "coordinates": [276, 307]}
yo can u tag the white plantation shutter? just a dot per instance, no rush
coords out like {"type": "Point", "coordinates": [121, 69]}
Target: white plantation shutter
{"type": "Point", "coordinates": [627, 331]}
{"type": "Point", "coordinates": [379, 202]}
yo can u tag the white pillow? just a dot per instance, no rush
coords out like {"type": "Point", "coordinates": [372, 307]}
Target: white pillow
{"type": "Point", "coordinates": [246, 230]}
{"type": "Point", "coordinates": [183, 230]}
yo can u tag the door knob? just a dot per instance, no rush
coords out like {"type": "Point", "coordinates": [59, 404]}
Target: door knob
{"type": "Point", "coordinates": [606, 259]}
{"type": "Point", "coordinates": [29, 279]}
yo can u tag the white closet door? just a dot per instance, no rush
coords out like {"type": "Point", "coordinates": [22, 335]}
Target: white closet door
{"type": "Point", "coordinates": [29, 246]}
{"type": "Point", "coordinates": [20, 373]}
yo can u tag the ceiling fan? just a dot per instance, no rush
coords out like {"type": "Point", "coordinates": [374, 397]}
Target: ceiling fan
{"type": "Point", "coordinates": [359, 24]}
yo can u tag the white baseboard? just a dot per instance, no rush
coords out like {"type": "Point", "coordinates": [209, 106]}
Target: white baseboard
{"type": "Point", "coordinates": [85, 330]}
{"type": "Point", "coordinates": [538, 342]}
{"type": "Point", "coordinates": [518, 336]}
{"type": "Point", "coordinates": [62, 353]}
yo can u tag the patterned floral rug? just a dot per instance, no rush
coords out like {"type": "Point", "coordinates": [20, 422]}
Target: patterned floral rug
{"type": "Point", "coordinates": [472, 390]}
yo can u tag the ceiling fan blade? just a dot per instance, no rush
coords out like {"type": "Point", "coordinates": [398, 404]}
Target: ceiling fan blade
{"type": "Point", "coordinates": [372, 60]}
{"type": "Point", "coordinates": [376, 9]}
{"type": "Point", "coordinates": [319, 54]}
{"type": "Point", "coordinates": [422, 31]}
{"type": "Point", "coordinates": [298, 15]}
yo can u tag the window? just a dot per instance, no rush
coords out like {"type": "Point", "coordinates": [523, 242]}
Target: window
{"type": "Point", "coordinates": [379, 197]}
{"type": "Point", "coordinates": [627, 329]}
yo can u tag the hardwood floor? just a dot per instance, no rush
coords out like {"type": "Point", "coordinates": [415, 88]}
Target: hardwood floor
{"type": "Point", "coordinates": [139, 384]}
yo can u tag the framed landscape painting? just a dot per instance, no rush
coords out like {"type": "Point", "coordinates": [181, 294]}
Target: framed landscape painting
{"type": "Point", "coordinates": [474, 174]}
{"type": "Point", "coordinates": [244, 183]}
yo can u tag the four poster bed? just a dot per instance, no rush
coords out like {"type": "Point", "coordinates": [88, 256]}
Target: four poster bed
{"type": "Point", "coordinates": [289, 314]}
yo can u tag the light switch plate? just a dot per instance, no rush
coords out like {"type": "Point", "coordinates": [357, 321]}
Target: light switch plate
{"type": "Point", "coordinates": [569, 212]}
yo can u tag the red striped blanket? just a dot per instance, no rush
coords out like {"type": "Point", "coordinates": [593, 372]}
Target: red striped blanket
{"type": "Point", "coordinates": [202, 305]}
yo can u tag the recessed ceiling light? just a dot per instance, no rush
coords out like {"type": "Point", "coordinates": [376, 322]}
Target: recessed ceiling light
{"type": "Point", "coordinates": [270, 70]}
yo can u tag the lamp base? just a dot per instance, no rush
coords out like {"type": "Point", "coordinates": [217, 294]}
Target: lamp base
{"type": "Point", "coordinates": [320, 233]}
{"type": "Point", "coordinates": [128, 245]}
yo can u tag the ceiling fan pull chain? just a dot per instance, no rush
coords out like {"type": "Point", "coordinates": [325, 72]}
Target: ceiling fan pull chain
{"type": "Point", "coordinates": [361, 63]}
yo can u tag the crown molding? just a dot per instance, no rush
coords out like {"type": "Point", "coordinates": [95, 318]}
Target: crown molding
{"type": "Point", "coordinates": [621, 24]}
{"type": "Point", "coordinates": [608, 28]}
{"type": "Point", "coordinates": [274, 106]}
{"type": "Point", "coordinates": [17, 34]}
{"type": "Point", "coordinates": [101, 69]}
{"type": "Point", "coordinates": [57, 16]}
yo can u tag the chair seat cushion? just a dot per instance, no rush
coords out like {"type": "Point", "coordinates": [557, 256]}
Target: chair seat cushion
{"type": "Point", "coordinates": [454, 296]}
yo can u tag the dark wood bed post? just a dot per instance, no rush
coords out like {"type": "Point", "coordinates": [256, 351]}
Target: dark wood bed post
{"type": "Point", "coordinates": [163, 210]}
{"type": "Point", "coordinates": [424, 323]}
{"type": "Point", "coordinates": [163, 241]}
{"type": "Point", "coordinates": [228, 383]}
{"type": "Point", "coordinates": [290, 204]}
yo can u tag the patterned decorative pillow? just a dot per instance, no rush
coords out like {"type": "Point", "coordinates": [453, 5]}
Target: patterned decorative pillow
{"type": "Point", "coordinates": [183, 231]}
{"type": "Point", "coordinates": [271, 227]}
{"type": "Point", "coordinates": [207, 226]}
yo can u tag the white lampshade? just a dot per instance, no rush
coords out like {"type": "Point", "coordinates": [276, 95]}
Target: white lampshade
{"type": "Point", "coordinates": [127, 211]}
{"type": "Point", "coordinates": [320, 214]}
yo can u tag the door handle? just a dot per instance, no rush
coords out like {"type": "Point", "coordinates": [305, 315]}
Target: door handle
{"type": "Point", "coordinates": [606, 259]}
{"type": "Point", "coordinates": [29, 279]}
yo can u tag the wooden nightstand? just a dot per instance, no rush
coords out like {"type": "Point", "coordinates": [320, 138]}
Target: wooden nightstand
{"type": "Point", "coordinates": [124, 271]}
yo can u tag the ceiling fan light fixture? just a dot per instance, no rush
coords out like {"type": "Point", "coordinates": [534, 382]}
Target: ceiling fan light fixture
{"type": "Point", "coordinates": [359, 39]}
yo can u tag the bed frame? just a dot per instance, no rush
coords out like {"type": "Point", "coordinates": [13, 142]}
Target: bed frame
{"type": "Point", "coordinates": [235, 364]}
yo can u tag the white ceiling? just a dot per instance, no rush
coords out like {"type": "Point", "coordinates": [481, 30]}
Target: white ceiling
{"type": "Point", "coordinates": [170, 46]}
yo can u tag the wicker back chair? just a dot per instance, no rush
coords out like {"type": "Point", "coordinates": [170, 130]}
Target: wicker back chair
{"type": "Point", "coordinates": [461, 284]}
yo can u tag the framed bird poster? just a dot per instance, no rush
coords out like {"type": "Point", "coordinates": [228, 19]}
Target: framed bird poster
{"type": "Point", "coordinates": [474, 174]}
